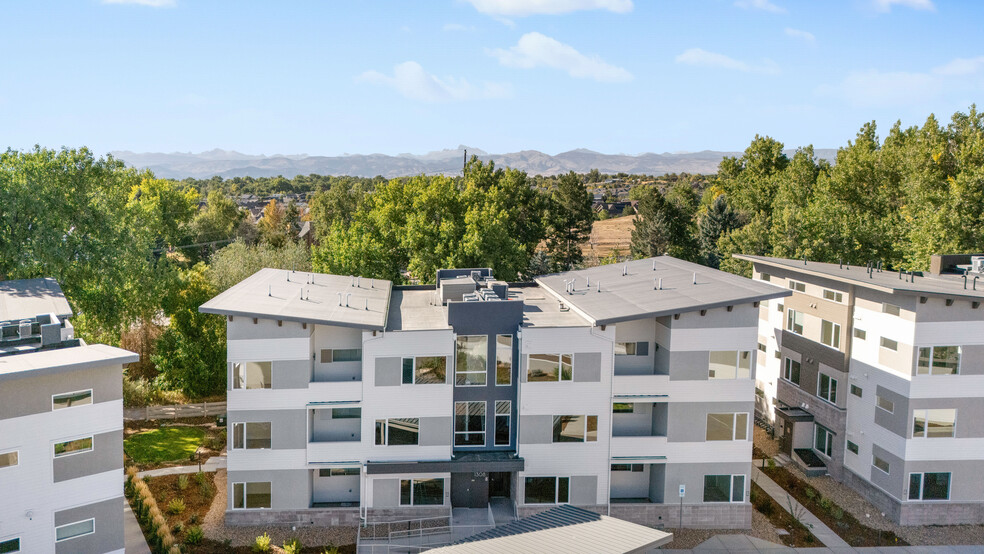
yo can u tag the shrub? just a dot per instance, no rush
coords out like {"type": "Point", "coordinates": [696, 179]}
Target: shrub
{"type": "Point", "coordinates": [176, 506]}
{"type": "Point", "coordinates": [201, 478]}
{"type": "Point", "coordinates": [771, 463]}
{"type": "Point", "coordinates": [157, 523]}
{"type": "Point", "coordinates": [826, 504]}
{"type": "Point", "coordinates": [293, 546]}
{"type": "Point", "coordinates": [178, 528]}
{"type": "Point", "coordinates": [194, 535]}
{"type": "Point", "coordinates": [764, 507]}
{"type": "Point", "coordinates": [811, 494]}
{"type": "Point", "coordinates": [262, 543]}
{"type": "Point", "coordinates": [838, 513]}
{"type": "Point", "coordinates": [193, 519]}
{"type": "Point", "coordinates": [207, 490]}
{"type": "Point", "coordinates": [174, 550]}
{"type": "Point", "coordinates": [166, 539]}
{"type": "Point", "coordinates": [182, 482]}
{"type": "Point", "coordinates": [331, 549]}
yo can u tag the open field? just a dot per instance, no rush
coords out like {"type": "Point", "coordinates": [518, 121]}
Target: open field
{"type": "Point", "coordinates": [609, 234]}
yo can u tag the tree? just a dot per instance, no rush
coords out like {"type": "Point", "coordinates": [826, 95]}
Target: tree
{"type": "Point", "coordinates": [718, 220]}
{"type": "Point", "coordinates": [569, 220]}
{"type": "Point", "coordinates": [219, 221]}
{"type": "Point", "coordinates": [659, 229]}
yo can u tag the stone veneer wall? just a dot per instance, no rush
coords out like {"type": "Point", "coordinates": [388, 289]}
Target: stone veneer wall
{"type": "Point", "coordinates": [826, 415]}
{"type": "Point", "coordinates": [702, 516]}
{"type": "Point", "coordinates": [322, 517]}
{"type": "Point", "coordinates": [919, 513]}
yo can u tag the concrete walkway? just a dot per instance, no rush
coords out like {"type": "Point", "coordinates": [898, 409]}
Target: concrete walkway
{"type": "Point", "coordinates": [743, 544]}
{"type": "Point", "coordinates": [210, 465]}
{"type": "Point", "coordinates": [133, 538]}
{"type": "Point", "coordinates": [819, 529]}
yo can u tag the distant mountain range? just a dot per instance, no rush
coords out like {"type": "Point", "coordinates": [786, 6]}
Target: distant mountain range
{"type": "Point", "coordinates": [229, 164]}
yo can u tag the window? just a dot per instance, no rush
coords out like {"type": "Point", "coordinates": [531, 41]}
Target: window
{"type": "Point", "coordinates": [636, 468]}
{"type": "Point", "coordinates": [823, 441]}
{"type": "Point", "coordinates": [889, 344]}
{"type": "Point", "coordinates": [575, 428]}
{"type": "Point", "coordinates": [885, 404]}
{"type": "Point", "coordinates": [856, 391]}
{"type": "Point", "coordinates": [890, 309]}
{"type": "Point", "coordinates": [724, 488]}
{"type": "Point", "coordinates": [938, 360]}
{"type": "Point", "coordinates": [71, 399]}
{"type": "Point", "coordinates": [470, 366]}
{"type": "Point", "coordinates": [10, 545]}
{"type": "Point", "coordinates": [251, 435]}
{"type": "Point", "coordinates": [330, 355]}
{"type": "Point", "coordinates": [503, 359]}
{"type": "Point", "coordinates": [625, 349]}
{"type": "Point", "coordinates": [397, 431]}
{"type": "Point", "coordinates": [765, 277]}
{"type": "Point", "coordinates": [429, 370]}
{"type": "Point", "coordinates": [832, 295]}
{"type": "Point", "coordinates": [75, 530]}
{"type": "Point", "coordinates": [860, 334]}
{"type": "Point", "coordinates": [421, 492]}
{"type": "Point", "coordinates": [77, 446]}
{"type": "Point", "coordinates": [622, 408]}
{"type": "Point", "coordinates": [794, 321]}
{"type": "Point", "coordinates": [550, 367]}
{"type": "Point", "coordinates": [777, 354]}
{"type": "Point", "coordinates": [779, 307]}
{"type": "Point", "coordinates": [727, 427]}
{"type": "Point", "coordinates": [762, 347]}
{"type": "Point", "coordinates": [469, 423]}
{"type": "Point", "coordinates": [503, 414]}
{"type": "Point", "coordinates": [827, 388]}
{"type": "Point", "coordinates": [251, 495]}
{"type": "Point", "coordinates": [407, 371]}
{"type": "Point", "coordinates": [830, 333]}
{"type": "Point", "coordinates": [730, 364]}
{"type": "Point", "coordinates": [8, 459]}
{"type": "Point", "coordinates": [929, 486]}
{"type": "Point", "coordinates": [852, 447]}
{"type": "Point", "coordinates": [251, 375]}
{"type": "Point", "coordinates": [346, 413]}
{"type": "Point", "coordinates": [797, 286]}
{"type": "Point", "coordinates": [791, 372]}
{"type": "Point", "coordinates": [879, 463]}
{"type": "Point", "coordinates": [547, 490]}
{"type": "Point", "coordinates": [933, 423]}
{"type": "Point", "coordinates": [338, 472]}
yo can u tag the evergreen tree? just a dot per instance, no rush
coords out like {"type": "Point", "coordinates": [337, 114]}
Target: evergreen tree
{"type": "Point", "coordinates": [569, 220]}
{"type": "Point", "coordinates": [718, 220]}
{"type": "Point", "coordinates": [659, 229]}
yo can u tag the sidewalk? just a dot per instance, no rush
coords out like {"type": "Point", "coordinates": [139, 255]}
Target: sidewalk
{"type": "Point", "coordinates": [133, 538]}
{"type": "Point", "coordinates": [819, 529]}
{"type": "Point", "coordinates": [210, 465]}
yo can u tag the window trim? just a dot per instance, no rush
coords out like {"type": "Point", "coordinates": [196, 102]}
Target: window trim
{"type": "Point", "coordinates": [484, 372]}
{"type": "Point", "coordinates": [860, 334]}
{"type": "Point", "coordinates": [91, 399]}
{"type": "Point", "coordinates": [731, 488]}
{"type": "Point", "coordinates": [244, 385]}
{"type": "Point", "coordinates": [244, 425]}
{"type": "Point", "coordinates": [556, 479]}
{"type": "Point", "coordinates": [834, 296]}
{"type": "Point", "coordinates": [737, 367]}
{"type": "Point", "coordinates": [12, 539]}
{"type": "Point", "coordinates": [16, 454]}
{"type": "Point", "coordinates": [847, 446]}
{"type": "Point", "coordinates": [587, 419]}
{"type": "Point", "coordinates": [922, 487]}
{"type": "Point", "coordinates": [791, 322]}
{"type": "Point", "coordinates": [817, 429]}
{"type": "Point", "coordinates": [511, 363]}
{"type": "Point", "coordinates": [495, 423]}
{"type": "Point", "coordinates": [444, 490]}
{"type": "Point", "coordinates": [92, 532]}
{"type": "Point", "coordinates": [386, 433]}
{"type": "Point", "coordinates": [245, 507]}
{"type": "Point", "coordinates": [891, 309]}
{"type": "Point", "coordinates": [878, 401]}
{"type": "Point", "coordinates": [875, 457]}
{"type": "Point", "coordinates": [835, 334]}
{"type": "Point", "coordinates": [881, 344]}
{"type": "Point", "coordinates": [925, 433]}
{"type": "Point", "coordinates": [560, 367]}
{"type": "Point", "coordinates": [92, 447]}
{"type": "Point", "coordinates": [413, 374]}
{"type": "Point", "coordinates": [798, 286]}
{"type": "Point", "coordinates": [932, 352]}
{"type": "Point", "coordinates": [485, 425]}
{"type": "Point", "coordinates": [860, 391]}
{"type": "Point", "coordinates": [787, 370]}
{"type": "Point", "coordinates": [831, 388]}
{"type": "Point", "coordinates": [734, 426]}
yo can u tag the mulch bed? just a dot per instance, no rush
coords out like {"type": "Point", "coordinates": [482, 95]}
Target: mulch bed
{"type": "Point", "coordinates": [197, 497]}
{"type": "Point", "coordinates": [215, 547]}
{"type": "Point", "coordinates": [799, 536]}
{"type": "Point", "coordinates": [839, 520]}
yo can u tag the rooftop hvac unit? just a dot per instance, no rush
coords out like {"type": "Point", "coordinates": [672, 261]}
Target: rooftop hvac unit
{"type": "Point", "coordinates": [977, 264]}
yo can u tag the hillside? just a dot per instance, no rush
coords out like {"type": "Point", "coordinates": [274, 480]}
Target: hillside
{"type": "Point", "coordinates": [608, 234]}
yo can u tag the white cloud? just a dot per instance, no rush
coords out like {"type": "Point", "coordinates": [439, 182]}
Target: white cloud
{"type": "Point", "coordinates": [886, 5]}
{"type": "Point", "coordinates": [523, 8]}
{"type": "Point", "coordinates": [763, 5]}
{"type": "Point", "coordinates": [458, 27]}
{"type": "Point", "coordinates": [961, 66]}
{"type": "Point", "coordinates": [703, 58]}
{"type": "Point", "coordinates": [151, 3]}
{"type": "Point", "coordinates": [410, 80]}
{"type": "Point", "coordinates": [800, 34]}
{"type": "Point", "coordinates": [536, 50]}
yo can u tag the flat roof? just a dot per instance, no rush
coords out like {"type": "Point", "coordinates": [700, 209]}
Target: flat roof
{"type": "Point", "coordinates": [63, 359]}
{"type": "Point", "coordinates": [634, 295]}
{"type": "Point", "coordinates": [566, 529]}
{"type": "Point", "coordinates": [416, 310]}
{"type": "Point", "coordinates": [27, 298]}
{"type": "Point", "coordinates": [541, 309]}
{"type": "Point", "coordinates": [276, 294]}
{"type": "Point", "coordinates": [885, 281]}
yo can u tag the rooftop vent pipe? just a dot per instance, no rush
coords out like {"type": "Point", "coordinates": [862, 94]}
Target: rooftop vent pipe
{"type": "Point", "coordinates": [347, 297]}
{"type": "Point", "coordinates": [695, 277]}
{"type": "Point", "coordinates": [625, 270]}
{"type": "Point", "coordinates": [339, 298]}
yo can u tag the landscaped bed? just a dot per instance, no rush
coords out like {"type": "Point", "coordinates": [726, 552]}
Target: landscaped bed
{"type": "Point", "coordinates": [840, 521]}
{"type": "Point", "coordinates": [799, 536]}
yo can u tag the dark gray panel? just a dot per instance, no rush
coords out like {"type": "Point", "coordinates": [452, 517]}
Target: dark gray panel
{"type": "Point", "coordinates": [291, 488]}
{"type": "Point", "coordinates": [435, 431]}
{"type": "Point", "coordinates": [291, 374]}
{"type": "Point", "coordinates": [688, 420]}
{"type": "Point", "coordinates": [818, 352]}
{"type": "Point", "coordinates": [584, 490]}
{"type": "Point", "coordinates": [687, 365]}
{"type": "Point", "coordinates": [21, 397]}
{"type": "Point", "coordinates": [385, 493]}
{"type": "Point", "coordinates": [587, 367]}
{"type": "Point", "coordinates": [893, 482]}
{"type": "Point", "coordinates": [108, 526]}
{"type": "Point", "coordinates": [389, 372]}
{"type": "Point", "coordinates": [106, 455]}
{"type": "Point", "coordinates": [536, 429]}
{"type": "Point", "coordinates": [898, 421]}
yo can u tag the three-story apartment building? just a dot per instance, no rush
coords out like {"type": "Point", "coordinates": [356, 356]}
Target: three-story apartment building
{"type": "Point", "coordinates": [627, 389]}
{"type": "Point", "coordinates": [61, 428]}
{"type": "Point", "coordinates": [877, 377]}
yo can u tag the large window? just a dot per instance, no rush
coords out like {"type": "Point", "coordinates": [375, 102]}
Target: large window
{"type": "Point", "coordinates": [823, 441]}
{"type": "Point", "coordinates": [77, 446]}
{"type": "Point", "coordinates": [252, 495]}
{"type": "Point", "coordinates": [730, 364]}
{"type": "Point", "coordinates": [251, 375]}
{"type": "Point", "coordinates": [471, 359]}
{"type": "Point", "coordinates": [550, 367]}
{"type": "Point", "coordinates": [933, 423]}
{"type": "Point", "coordinates": [791, 372]}
{"type": "Point", "coordinates": [724, 488]}
{"type": "Point", "coordinates": [469, 423]}
{"type": "Point", "coordinates": [631, 348]}
{"type": "Point", "coordinates": [503, 359]}
{"type": "Point", "coordinates": [575, 428]}
{"type": "Point", "coordinates": [547, 490]}
{"type": "Point", "coordinates": [397, 431]}
{"type": "Point", "coordinates": [727, 427]}
{"type": "Point", "coordinates": [503, 415]}
{"type": "Point", "coordinates": [794, 321]}
{"type": "Point", "coordinates": [71, 399]}
{"type": "Point", "coordinates": [929, 486]}
{"type": "Point", "coordinates": [830, 333]}
{"type": "Point", "coordinates": [334, 355]}
{"type": "Point", "coordinates": [10, 545]}
{"type": "Point", "coordinates": [425, 370]}
{"type": "Point", "coordinates": [880, 463]}
{"type": "Point", "coordinates": [827, 388]}
{"type": "Point", "coordinates": [938, 360]}
{"type": "Point", "coordinates": [75, 530]}
{"type": "Point", "coordinates": [8, 459]}
{"type": "Point", "coordinates": [421, 492]}
{"type": "Point", "coordinates": [251, 435]}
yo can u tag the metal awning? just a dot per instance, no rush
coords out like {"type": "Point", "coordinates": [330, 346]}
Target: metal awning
{"type": "Point", "coordinates": [335, 404]}
{"type": "Point", "coordinates": [638, 459]}
{"type": "Point", "coordinates": [794, 414]}
{"type": "Point", "coordinates": [462, 463]}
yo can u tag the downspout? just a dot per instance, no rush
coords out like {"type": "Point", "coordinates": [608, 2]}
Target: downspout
{"type": "Point", "coordinates": [611, 426]}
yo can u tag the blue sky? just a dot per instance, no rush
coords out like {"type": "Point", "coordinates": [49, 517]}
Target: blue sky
{"type": "Point", "coordinates": [616, 76]}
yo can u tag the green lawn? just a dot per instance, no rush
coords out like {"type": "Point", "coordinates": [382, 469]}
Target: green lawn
{"type": "Point", "coordinates": [164, 445]}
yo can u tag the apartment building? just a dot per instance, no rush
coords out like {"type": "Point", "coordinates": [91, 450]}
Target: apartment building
{"type": "Point", "coordinates": [61, 428]}
{"type": "Point", "coordinates": [877, 378]}
{"type": "Point", "coordinates": [625, 389]}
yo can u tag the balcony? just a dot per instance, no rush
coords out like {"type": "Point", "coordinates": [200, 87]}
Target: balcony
{"type": "Point", "coordinates": [323, 452]}
{"type": "Point", "coordinates": [335, 424]}
{"type": "Point", "coordinates": [335, 391]}
{"type": "Point", "coordinates": [637, 483]}
{"type": "Point", "coordinates": [337, 372]}
{"type": "Point", "coordinates": [638, 447]}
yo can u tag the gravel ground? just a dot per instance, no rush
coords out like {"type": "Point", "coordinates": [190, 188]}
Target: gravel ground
{"type": "Point", "coordinates": [690, 538]}
{"type": "Point", "coordinates": [214, 526]}
{"type": "Point", "coordinates": [760, 438]}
